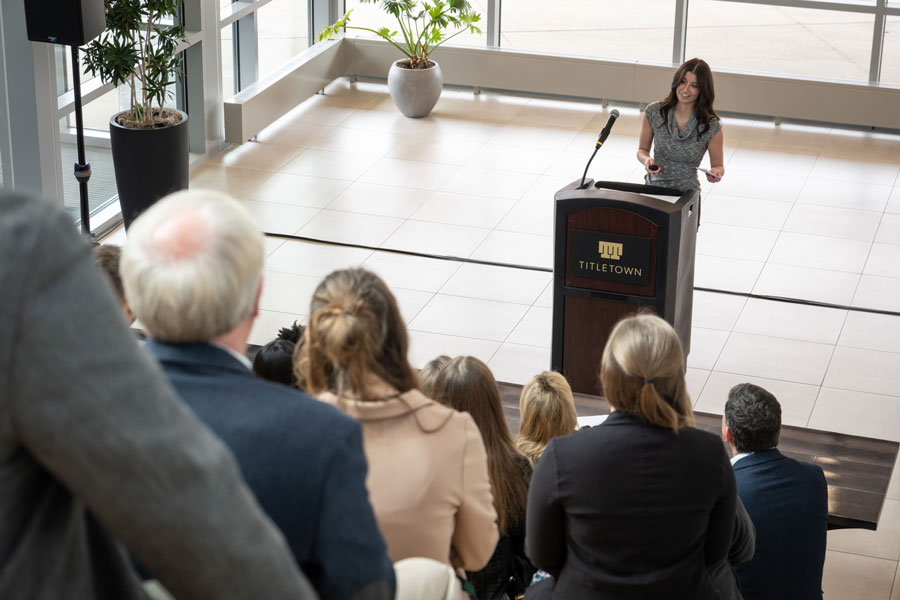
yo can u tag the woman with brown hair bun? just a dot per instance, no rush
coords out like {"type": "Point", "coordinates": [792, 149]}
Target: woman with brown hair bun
{"type": "Point", "coordinates": [428, 477]}
{"type": "Point", "coordinates": [467, 384]}
{"type": "Point", "coordinates": [643, 505]}
{"type": "Point", "coordinates": [547, 411]}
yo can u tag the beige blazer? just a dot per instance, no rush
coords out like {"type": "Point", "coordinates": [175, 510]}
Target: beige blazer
{"type": "Point", "coordinates": [428, 479]}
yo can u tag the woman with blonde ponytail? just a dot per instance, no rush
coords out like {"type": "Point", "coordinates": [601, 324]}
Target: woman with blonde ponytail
{"type": "Point", "coordinates": [428, 475]}
{"type": "Point", "coordinates": [643, 505]}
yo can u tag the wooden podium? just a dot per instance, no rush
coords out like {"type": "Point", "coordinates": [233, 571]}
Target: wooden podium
{"type": "Point", "coordinates": [619, 248]}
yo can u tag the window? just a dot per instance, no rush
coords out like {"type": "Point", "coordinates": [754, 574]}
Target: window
{"type": "Point", "coordinates": [890, 65]}
{"type": "Point", "coordinates": [282, 32]}
{"type": "Point", "coordinates": [781, 40]}
{"type": "Point", "coordinates": [620, 29]}
{"type": "Point", "coordinates": [371, 16]}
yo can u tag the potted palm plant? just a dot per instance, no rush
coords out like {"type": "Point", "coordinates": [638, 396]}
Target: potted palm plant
{"type": "Point", "coordinates": [415, 82]}
{"type": "Point", "coordinates": [150, 143]}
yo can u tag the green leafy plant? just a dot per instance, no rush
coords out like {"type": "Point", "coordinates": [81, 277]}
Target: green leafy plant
{"type": "Point", "coordinates": [139, 47]}
{"type": "Point", "coordinates": [423, 26]}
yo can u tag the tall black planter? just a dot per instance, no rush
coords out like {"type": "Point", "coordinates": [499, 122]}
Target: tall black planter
{"type": "Point", "coordinates": [149, 164]}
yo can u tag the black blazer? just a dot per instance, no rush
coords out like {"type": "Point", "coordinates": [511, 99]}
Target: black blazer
{"type": "Point", "coordinates": [303, 460]}
{"type": "Point", "coordinates": [788, 502]}
{"type": "Point", "coordinates": [630, 510]}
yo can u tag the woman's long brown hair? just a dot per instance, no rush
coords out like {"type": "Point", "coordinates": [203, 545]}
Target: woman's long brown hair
{"type": "Point", "coordinates": [467, 384]}
{"type": "Point", "coordinates": [703, 107]}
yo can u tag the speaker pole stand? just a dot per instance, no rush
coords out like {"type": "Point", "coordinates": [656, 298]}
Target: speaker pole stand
{"type": "Point", "coordinates": [82, 168]}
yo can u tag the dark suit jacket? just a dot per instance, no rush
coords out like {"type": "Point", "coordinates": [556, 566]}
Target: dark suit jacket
{"type": "Point", "coordinates": [95, 446]}
{"type": "Point", "coordinates": [788, 502]}
{"type": "Point", "coordinates": [629, 510]}
{"type": "Point", "coordinates": [302, 458]}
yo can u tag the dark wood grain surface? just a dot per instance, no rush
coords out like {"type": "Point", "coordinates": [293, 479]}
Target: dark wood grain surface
{"type": "Point", "coordinates": [857, 469]}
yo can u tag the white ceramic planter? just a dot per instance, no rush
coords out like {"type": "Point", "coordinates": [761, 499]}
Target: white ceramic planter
{"type": "Point", "coordinates": [415, 91]}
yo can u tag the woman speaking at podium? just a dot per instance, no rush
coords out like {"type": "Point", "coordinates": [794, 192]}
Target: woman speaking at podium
{"type": "Point", "coordinates": [681, 129]}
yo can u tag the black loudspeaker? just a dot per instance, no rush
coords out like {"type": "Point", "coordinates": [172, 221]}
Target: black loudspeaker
{"type": "Point", "coordinates": [67, 22]}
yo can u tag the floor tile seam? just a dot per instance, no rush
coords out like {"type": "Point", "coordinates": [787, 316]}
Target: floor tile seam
{"type": "Point", "coordinates": [868, 257]}
{"type": "Point", "coordinates": [779, 337]}
{"type": "Point", "coordinates": [889, 243]}
{"type": "Point", "coordinates": [453, 335]}
{"type": "Point", "coordinates": [784, 337]}
{"type": "Point", "coordinates": [882, 397]}
{"type": "Point", "coordinates": [894, 582]}
{"type": "Point", "coordinates": [305, 223]}
{"type": "Point", "coordinates": [442, 293]}
{"type": "Point", "coordinates": [803, 202]}
{"type": "Point", "coordinates": [283, 272]}
{"type": "Point", "coordinates": [825, 372]}
{"type": "Point", "coordinates": [323, 207]}
{"type": "Point", "coordinates": [864, 556]}
{"type": "Point", "coordinates": [433, 295]}
{"type": "Point", "coordinates": [840, 345]}
{"type": "Point", "coordinates": [761, 197]}
{"type": "Point", "coordinates": [834, 235]}
{"type": "Point", "coordinates": [833, 207]}
{"type": "Point", "coordinates": [472, 197]}
{"type": "Point", "coordinates": [530, 305]}
{"type": "Point", "coordinates": [774, 244]}
{"type": "Point", "coordinates": [710, 221]}
{"type": "Point", "coordinates": [721, 350]}
{"type": "Point", "coordinates": [769, 377]}
{"type": "Point", "coordinates": [416, 160]}
{"type": "Point", "coordinates": [443, 180]}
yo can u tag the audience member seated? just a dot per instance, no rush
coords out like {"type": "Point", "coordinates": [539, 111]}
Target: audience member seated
{"type": "Point", "coordinates": [275, 360]}
{"type": "Point", "coordinates": [107, 257]}
{"type": "Point", "coordinates": [547, 411]}
{"type": "Point", "coordinates": [787, 501]}
{"type": "Point", "coordinates": [428, 473]}
{"type": "Point", "coordinates": [97, 448]}
{"type": "Point", "coordinates": [192, 268]}
{"type": "Point", "coordinates": [467, 385]}
{"type": "Point", "coordinates": [428, 374]}
{"type": "Point", "coordinates": [641, 505]}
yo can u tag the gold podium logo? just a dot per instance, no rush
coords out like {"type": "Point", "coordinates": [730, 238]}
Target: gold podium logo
{"type": "Point", "coordinates": [610, 250]}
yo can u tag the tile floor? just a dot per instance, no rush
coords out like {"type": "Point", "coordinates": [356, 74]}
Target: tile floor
{"type": "Point", "coordinates": [803, 212]}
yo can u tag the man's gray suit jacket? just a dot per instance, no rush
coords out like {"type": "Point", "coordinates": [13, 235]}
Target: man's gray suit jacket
{"type": "Point", "coordinates": [93, 442]}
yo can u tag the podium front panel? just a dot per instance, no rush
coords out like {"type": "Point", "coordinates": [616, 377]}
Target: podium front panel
{"type": "Point", "coordinates": [588, 322]}
{"type": "Point", "coordinates": [614, 221]}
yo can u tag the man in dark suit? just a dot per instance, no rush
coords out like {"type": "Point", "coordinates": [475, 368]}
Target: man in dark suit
{"type": "Point", "coordinates": [787, 501]}
{"type": "Point", "coordinates": [96, 448]}
{"type": "Point", "coordinates": [192, 269]}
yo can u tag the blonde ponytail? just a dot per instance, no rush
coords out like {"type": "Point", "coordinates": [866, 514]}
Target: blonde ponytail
{"type": "Point", "coordinates": [642, 372]}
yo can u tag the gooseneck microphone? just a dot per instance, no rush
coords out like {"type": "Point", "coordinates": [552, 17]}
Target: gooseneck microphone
{"type": "Point", "coordinates": [608, 127]}
{"type": "Point", "coordinates": [604, 133]}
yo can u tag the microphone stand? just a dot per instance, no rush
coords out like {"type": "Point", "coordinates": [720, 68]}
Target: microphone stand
{"type": "Point", "coordinates": [613, 115]}
{"type": "Point", "coordinates": [581, 186]}
{"type": "Point", "coordinates": [82, 168]}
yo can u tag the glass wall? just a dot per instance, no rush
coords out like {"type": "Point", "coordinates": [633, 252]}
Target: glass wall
{"type": "Point", "coordinates": [890, 66]}
{"type": "Point", "coordinates": [282, 32]}
{"type": "Point", "coordinates": [370, 15]}
{"type": "Point", "coordinates": [620, 29]}
{"type": "Point", "coordinates": [226, 40]}
{"type": "Point", "coordinates": [780, 40]}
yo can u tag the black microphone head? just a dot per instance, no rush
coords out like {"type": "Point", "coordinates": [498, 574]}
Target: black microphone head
{"type": "Point", "coordinates": [614, 114]}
